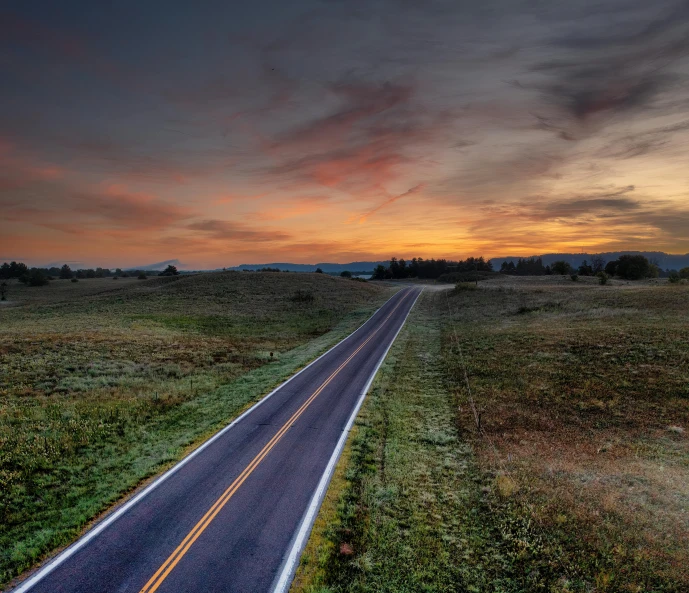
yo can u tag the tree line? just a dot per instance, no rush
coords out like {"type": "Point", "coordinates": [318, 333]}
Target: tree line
{"type": "Point", "coordinates": [627, 267]}
{"type": "Point", "coordinates": [42, 276]}
{"type": "Point", "coordinates": [432, 269]}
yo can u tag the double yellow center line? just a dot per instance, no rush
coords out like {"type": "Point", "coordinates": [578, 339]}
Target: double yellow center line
{"type": "Point", "coordinates": [161, 574]}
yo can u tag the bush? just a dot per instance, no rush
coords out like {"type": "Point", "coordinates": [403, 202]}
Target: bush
{"type": "Point", "coordinates": [575, 277]}
{"type": "Point", "coordinates": [464, 286]}
{"type": "Point", "coordinates": [470, 276]}
{"type": "Point", "coordinates": [35, 277]}
{"type": "Point", "coordinates": [602, 278]}
{"type": "Point", "coordinates": [674, 277]}
{"type": "Point", "coordinates": [346, 274]}
{"type": "Point", "coordinates": [684, 273]}
{"type": "Point", "coordinates": [75, 279]}
{"type": "Point", "coordinates": [142, 276]}
{"type": "Point", "coordinates": [115, 277]}
{"type": "Point", "coordinates": [303, 296]}
{"type": "Point", "coordinates": [319, 271]}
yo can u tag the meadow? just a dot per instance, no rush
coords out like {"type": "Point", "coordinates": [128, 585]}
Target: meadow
{"type": "Point", "coordinates": [105, 383]}
{"type": "Point", "coordinates": [528, 434]}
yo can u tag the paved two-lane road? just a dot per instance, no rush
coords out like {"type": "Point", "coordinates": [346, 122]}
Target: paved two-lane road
{"type": "Point", "coordinates": [235, 514]}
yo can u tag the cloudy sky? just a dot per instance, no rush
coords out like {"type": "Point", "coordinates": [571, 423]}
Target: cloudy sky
{"type": "Point", "coordinates": [220, 133]}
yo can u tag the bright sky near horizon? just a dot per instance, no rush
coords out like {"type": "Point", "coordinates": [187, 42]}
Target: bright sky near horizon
{"type": "Point", "coordinates": [220, 133]}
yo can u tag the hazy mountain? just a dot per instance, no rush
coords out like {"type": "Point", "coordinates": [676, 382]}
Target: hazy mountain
{"type": "Point", "coordinates": [161, 265]}
{"type": "Point", "coordinates": [356, 266]}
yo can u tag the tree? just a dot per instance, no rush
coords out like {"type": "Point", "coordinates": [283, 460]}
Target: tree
{"type": "Point", "coordinates": [379, 273]}
{"type": "Point", "coordinates": [674, 277]}
{"type": "Point", "coordinates": [597, 264]}
{"type": "Point", "coordinates": [561, 267]}
{"type": "Point", "coordinates": [90, 273]}
{"type": "Point", "coordinates": [141, 276]}
{"type": "Point", "coordinates": [35, 277]}
{"type": "Point", "coordinates": [684, 273]}
{"type": "Point", "coordinates": [5, 271]}
{"type": "Point", "coordinates": [118, 271]}
{"type": "Point", "coordinates": [585, 269]}
{"type": "Point", "coordinates": [633, 267]}
{"type": "Point", "coordinates": [65, 272]}
{"type": "Point", "coordinates": [319, 271]}
{"type": "Point", "coordinates": [169, 271]}
{"type": "Point", "coordinates": [346, 274]}
{"type": "Point", "coordinates": [17, 270]}
{"type": "Point", "coordinates": [3, 290]}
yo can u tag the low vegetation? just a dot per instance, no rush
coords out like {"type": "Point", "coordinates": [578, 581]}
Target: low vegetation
{"type": "Point", "coordinates": [104, 383]}
{"type": "Point", "coordinates": [527, 435]}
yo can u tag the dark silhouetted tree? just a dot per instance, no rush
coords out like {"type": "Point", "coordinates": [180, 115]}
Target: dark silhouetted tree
{"type": "Point", "coordinates": [65, 272]}
{"type": "Point", "coordinates": [633, 267]}
{"type": "Point", "coordinates": [346, 274]}
{"type": "Point", "coordinates": [319, 271]}
{"type": "Point", "coordinates": [561, 267]}
{"type": "Point", "coordinates": [169, 271]}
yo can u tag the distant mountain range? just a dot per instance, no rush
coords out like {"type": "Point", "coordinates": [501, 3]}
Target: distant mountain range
{"type": "Point", "coordinates": [355, 266]}
{"type": "Point", "coordinates": [666, 261]}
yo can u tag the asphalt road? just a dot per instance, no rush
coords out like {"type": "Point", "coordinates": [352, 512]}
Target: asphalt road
{"type": "Point", "coordinates": [235, 515]}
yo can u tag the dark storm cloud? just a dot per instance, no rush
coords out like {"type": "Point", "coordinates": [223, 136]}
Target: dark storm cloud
{"type": "Point", "coordinates": [623, 67]}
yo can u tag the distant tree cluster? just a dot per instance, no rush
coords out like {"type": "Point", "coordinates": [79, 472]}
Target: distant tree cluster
{"type": "Point", "coordinates": [428, 268]}
{"type": "Point", "coordinates": [42, 276]}
{"type": "Point", "coordinates": [527, 266]}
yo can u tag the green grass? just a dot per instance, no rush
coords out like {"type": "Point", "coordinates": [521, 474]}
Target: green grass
{"type": "Point", "coordinates": [104, 383]}
{"type": "Point", "coordinates": [579, 478]}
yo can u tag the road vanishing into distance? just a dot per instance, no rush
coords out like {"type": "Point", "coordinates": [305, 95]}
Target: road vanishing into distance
{"type": "Point", "coordinates": [235, 514]}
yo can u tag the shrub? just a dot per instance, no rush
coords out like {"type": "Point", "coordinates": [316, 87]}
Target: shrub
{"type": "Point", "coordinates": [142, 276]}
{"type": "Point", "coordinates": [684, 273]}
{"type": "Point", "coordinates": [463, 286]}
{"type": "Point", "coordinates": [35, 277]}
{"type": "Point", "coordinates": [574, 277]}
{"type": "Point", "coordinates": [602, 278]}
{"type": "Point", "coordinates": [303, 296]}
{"type": "Point", "coordinates": [674, 277]}
{"type": "Point", "coordinates": [115, 277]}
{"type": "Point", "coordinates": [75, 279]}
{"type": "Point", "coordinates": [346, 274]}
{"type": "Point", "coordinates": [319, 271]}
{"type": "Point", "coordinates": [3, 291]}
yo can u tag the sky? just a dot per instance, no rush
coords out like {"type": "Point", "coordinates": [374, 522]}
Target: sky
{"type": "Point", "coordinates": [221, 133]}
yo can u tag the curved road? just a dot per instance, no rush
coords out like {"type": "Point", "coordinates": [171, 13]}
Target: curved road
{"type": "Point", "coordinates": [236, 513]}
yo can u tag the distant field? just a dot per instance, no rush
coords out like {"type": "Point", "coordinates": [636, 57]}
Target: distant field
{"type": "Point", "coordinates": [578, 480]}
{"type": "Point", "coordinates": [104, 382]}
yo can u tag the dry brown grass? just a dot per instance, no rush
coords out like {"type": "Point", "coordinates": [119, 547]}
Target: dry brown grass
{"type": "Point", "coordinates": [584, 398]}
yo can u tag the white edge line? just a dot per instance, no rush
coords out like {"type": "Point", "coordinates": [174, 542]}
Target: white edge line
{"type": "Point", "coordinates": [51, 565]}
{"type": "Point", "coordinates": [289, 566]}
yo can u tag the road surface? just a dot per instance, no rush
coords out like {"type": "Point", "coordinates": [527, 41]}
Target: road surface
{"type": "Point", "coordinates": [235, 515]}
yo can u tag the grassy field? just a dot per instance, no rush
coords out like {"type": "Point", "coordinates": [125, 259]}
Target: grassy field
{"type": "Point", "coordinates": [105, 382]}
{"type": "Point", "coordinates": [577, 479]}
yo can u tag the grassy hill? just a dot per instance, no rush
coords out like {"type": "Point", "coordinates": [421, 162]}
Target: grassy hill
{"type": "Point", "coordinates": [105, 382]}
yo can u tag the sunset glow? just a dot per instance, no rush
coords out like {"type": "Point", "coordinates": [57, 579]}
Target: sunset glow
{"type": "Point", "coordinates": [311, 132]}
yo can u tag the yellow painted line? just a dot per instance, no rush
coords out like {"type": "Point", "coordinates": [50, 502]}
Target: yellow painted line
{"type": "Point", "coordinates": [161, 574]}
